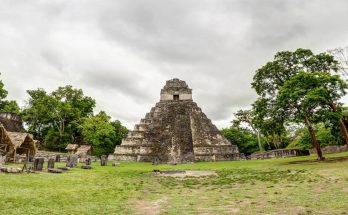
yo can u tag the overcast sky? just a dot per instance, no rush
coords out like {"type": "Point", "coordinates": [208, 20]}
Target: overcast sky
{"type": "Point", "coordinates": [122, 52]}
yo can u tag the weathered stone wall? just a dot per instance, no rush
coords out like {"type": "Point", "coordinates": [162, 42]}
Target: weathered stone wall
{"type": "Point", "coordinates": [63, 157]}
{"type": "Point", "coordinates": [175, 131]}
{"type": "Point", "coordinates": [278, 153]}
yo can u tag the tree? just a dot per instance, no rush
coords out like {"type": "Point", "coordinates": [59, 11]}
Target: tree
{"type": "Point", "coordinates": [54, 118]}
{"type": "Point", "coordinates": [341, 54]}
{"type": "Point", "coordinates": [245, 139]}
{"type": "Point", "coordinates": [305, 96]}
{"type": "Point", "coordinates": [6, 105]}
{"type": "Point", "coordinates": [247, 116]}
{"type": "Point", "coordinates": [102, 134]}
{"type": "Point", "coordinates": [270, 78]}
{"type": "Point", "coordinates": [328, 90]}
{"type": "Point", "coordinates": [269, 118]}
{"type": "Point", "coordinates": [11, 107]}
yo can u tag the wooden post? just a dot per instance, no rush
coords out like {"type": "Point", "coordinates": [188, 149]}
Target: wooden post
{"type": "Point", "coordinates": [28, 152]}
{"type": "Point", "coordinates": [14, 155]}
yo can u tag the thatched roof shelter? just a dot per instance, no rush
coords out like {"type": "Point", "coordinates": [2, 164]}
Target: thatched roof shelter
{"type": "Point", "coordinates": [13, 143]}
{"type": "Point", "coordinates": [72, 148]}
{"type": "Point", "coordinates": [84, 150]}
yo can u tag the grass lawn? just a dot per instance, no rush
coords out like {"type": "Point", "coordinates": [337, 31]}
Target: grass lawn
{"type": "Point", "coordinates": [241, 187]}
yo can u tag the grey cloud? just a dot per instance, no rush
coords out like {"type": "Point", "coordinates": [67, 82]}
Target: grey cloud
{"type": "Point", "coordinates": [122, 52]}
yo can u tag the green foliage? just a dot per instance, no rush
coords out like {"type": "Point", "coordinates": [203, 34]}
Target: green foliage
{"type": "Point", "coordinates": [243, 138]}
{"type": "Point", "coordinates": [270, 78]}
{"type": "Point", "coordinates": [248, 117]}
{"type": "Point", "coordinates": [5, 105]}
{"type": "Point", "coordinates": [296, 87]}
{"type": "Point", "coordinates": [102, 134]}
{"type": "Point", "coordinates": [303, 141]}
{"type": "Point", "coordinates": [269, 118]}
{"type": "Point", "coordinates": [54, 118]}
{"type": "Point", "coordinates": [306, 94]}
{"type": "Point", "coordinates": [10, 106]}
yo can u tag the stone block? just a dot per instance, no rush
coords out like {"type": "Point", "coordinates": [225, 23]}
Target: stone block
{"type": "Point", "coordinates": [38, 163]}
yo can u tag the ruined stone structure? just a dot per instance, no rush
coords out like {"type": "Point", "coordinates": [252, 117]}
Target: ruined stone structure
{"type": "Point", "coordinates": [175, 131]}
{"type": "Point", "coordinates": [278, 153]}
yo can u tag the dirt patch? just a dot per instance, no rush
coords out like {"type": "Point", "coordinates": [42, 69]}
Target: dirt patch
{"type": "Point", "coordinates": [150, 207]}
{"type": "Point", "coordinates": [320, 188]}
{"type": "Point", "coordinates": [183, 174]}
{"type": "Point", "coordinates": [298, 210]}
{"type": "Point", "coordinates": [345, 189]}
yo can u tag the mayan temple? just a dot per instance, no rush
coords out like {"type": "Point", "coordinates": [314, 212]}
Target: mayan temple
{"type": "Point", "coordinates": [175, 131]}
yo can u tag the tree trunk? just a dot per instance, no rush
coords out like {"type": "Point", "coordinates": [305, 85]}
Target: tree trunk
{"type": "Point", "coordinates": [341, 123]}
{"type": "Point", "coordinates": [259, 140]}
{"type": "Point", "coordinates": [314, 138]}
{"type": "Point", "coordinates": [257, 132]}
{"type": "Point", "coordinates": [344, 130]}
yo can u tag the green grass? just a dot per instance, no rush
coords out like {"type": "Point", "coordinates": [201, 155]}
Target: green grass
{"type": "Point", "coordinates": [241, 187]}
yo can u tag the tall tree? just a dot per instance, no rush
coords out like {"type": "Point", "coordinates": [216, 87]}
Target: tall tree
{"type": "Point", "coordinates": [54, 118]}
{"type": "Point", "coordinates": [270, 78]}
{"type": "Point", "coordinates": [326, 90]}
{"type": "Point", "coordinates": [247, 116]}
{"type": "Point", "coordinates": [269, 118]}
{"type": "Point", "coordinates": [306, 96]}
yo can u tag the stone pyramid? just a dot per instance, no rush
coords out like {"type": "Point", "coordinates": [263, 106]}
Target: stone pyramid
{"type": "Point", "coordinates": [175, 131]}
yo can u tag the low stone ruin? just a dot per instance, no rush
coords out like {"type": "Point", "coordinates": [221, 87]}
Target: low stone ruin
{"type": "Point", "coordinates": [61, 157]}
{"type": "Point", "coordinates": [46, 155]}
{"type": "Point", "coordinates": [57, 158]}
{"type": "Point", "coordinates": [10, 169]}
{"type": "Point", "coordinates": [175, 131]}
{"type": "Point", "coordinates": [278, 153]}
{"type": "Point", "coordinates": [64, 168]}
{"type": "Point", "coordinates": [38, 164]}
{"type": "Point", "coordinates": [103, 160]}
{"type": "Point", "coordinates": [88, 164]}
{"type": "Point", "coordinates": [72, 161]}
{"type": "Point", "coordinates": [54, 170]}
{"type": "Point", "coordinates": [50, 163]}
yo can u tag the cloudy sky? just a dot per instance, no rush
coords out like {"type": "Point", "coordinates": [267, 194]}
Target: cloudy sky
{"type": "Point", "coordinates": [122, 52]}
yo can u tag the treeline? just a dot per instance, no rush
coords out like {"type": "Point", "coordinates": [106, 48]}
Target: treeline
{"type": "Point", "coordinates": [65, 116]}
{"type": "Point", "coordinates": [298, 105]}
